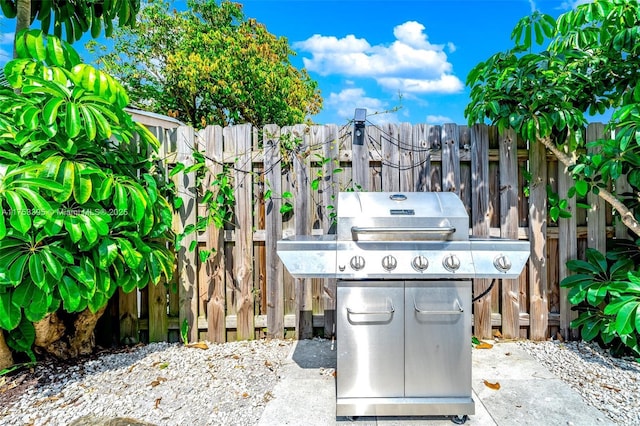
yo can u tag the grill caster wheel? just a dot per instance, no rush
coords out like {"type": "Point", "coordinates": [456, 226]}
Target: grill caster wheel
{"type": "Point", "coordinates": [460, 420]}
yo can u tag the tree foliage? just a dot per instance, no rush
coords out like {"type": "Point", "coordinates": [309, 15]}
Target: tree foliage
{"type": "Point", "coordinates": [71, 18]}
{"type": "Point", "coordinates": [588, 66]}
{"type": "Point", "coordinates": [210, 65]}
{"type": "Point", "coordinates": [84, 211]}
{"type": "Point", "coordinates": [558, 74]}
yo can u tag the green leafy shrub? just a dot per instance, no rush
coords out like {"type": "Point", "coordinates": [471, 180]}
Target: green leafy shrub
{"type": "Point", "coordinates": [83, 209]}
{"type": "Point", "coordinates": [606, 290]}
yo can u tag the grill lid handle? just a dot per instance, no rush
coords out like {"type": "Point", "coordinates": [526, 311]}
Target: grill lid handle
{"type": "Point", "coordinates": [355, 230]}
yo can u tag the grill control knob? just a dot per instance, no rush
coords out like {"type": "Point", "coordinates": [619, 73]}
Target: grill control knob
{"type": "Point", "coordinates": [389, 263]}
{"type": "Point", "coordinates": [451, 263]}
{"type": "Point", "coordinates": [357, 263]}
{"type": "Point", "coordinates": [420, 263]}
{"type": "Point", "coordinates": [502, 263]}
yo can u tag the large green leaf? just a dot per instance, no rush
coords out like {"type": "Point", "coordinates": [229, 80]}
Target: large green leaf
{"type": "Point", "coordinates": [17, 268]}
{"type": "Point", "coordinates": [66, 177]}
{"type": "Point", "coordinates": [41, 207]}
{"type": "Point", "coordinates": [82, 185]}
{"type": "Point", "coordinates": [107, 252]}
{"type": "Point", "coordinates": [73, 227]}
{"type": "Point", "coordinates": [84, 277]}
{"type": "Point", "coordinates": [52, 264]}
{"type": "Point", "coordinates": [131, 256]}
{"type": "Point", "coordinates": [33, 300]}
{"type": "Point", "coordinates": [10, 314]}
{"type": "Point", "coordinates": [36, 269]}
{"type": "Point", "coordinates": [50, 110]}
{"type": "Point", "coordinates": [21, 338]}
{"type": "Point", "coordinates": [70, 294]}
{"type": "Point", "coordinates": [20, 218]}
{"type": "Point", "coordinates": [72, 120]}
{"type": "Point", "coordinates": [3, 227]}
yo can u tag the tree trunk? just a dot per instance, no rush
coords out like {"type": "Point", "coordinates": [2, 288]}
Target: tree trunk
{"type": "Point", "coordinates": [83, 340]}
{"type": "Point", "coordinates": [49, 332]}
{"type": "Point", "coordinates": [626, 215]}
{"type": "Point", "coordinates": [23, 19]}
{"type": "Point", "coordinates": [56, 339]}
{"type": "Point", "coordinates": [6, 359]}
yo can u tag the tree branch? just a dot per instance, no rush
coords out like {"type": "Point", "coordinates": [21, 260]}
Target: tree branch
{"type": "Point", "coordinates": [625, 214]}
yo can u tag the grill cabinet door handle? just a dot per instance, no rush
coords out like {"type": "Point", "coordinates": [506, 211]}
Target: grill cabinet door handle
{"type": "Point", "coordinates": [389, 312]}
{"type": "Point", "coordinates": [459, 311]}
{"type": "Point", "coordinates": [393, 230]}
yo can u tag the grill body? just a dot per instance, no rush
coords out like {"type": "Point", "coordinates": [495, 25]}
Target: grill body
{"type": "Point", "coordinates": [404, 264]}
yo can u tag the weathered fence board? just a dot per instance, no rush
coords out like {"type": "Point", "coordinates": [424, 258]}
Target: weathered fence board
{"type": "Point", "coordinates": [480, 221]}
{"type": "Point", "coordinates": [188, 212]}
{"type": "Point", "coordinates": [273, 227]}
{"type": "Point", "coordinates": [539, 313]}
{"type": "Point", "coordinates": [509, 190]}
{"type": "Point", "coordinates": [242, 291]}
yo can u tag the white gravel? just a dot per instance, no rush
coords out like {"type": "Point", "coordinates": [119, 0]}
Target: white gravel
{"type": "Point", "coordinates": [160, 383]}
{"type": "Point", "coordinates": [609, 384]}
{"type": "Point", "coordinates": [231, 383]}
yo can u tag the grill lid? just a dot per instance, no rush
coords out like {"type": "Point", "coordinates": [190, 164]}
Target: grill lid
{"type": "Point", "coordinates": [389, 216]}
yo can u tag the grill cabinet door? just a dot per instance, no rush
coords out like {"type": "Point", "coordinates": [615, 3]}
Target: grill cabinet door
{"type": "Point", "coordinates": [370, 359]}
{"type": "Point", "coordinates": [438, 338]}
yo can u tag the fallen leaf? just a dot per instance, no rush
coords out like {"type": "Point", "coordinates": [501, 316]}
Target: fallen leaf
{"type": "Point", "coordinates": [613, 388]}
{"type": "Point", "coordinates": [157, 381]}
{"type": "Point", "coordinates": [163, 365]}
{"type": "Point", "coordinates": [496, 333]}
{"type": "Point", "coordinates": [157, 404]}
{"type": "Point", "coordinates": [245, 395]}
{"type": "Point", "coordinates": [198, 345]}
{"type": "Point", "coordinates": [494, 386]}
{"type": "Point", "coordinates": [484, 345]}
{"type": "Point", "coordinates": [559, 337]}
{"type": "Point", "coordinates": [132, 367]}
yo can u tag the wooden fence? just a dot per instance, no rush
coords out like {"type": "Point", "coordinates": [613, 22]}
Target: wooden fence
{"type": "Point", "coordinates": [243, 291]}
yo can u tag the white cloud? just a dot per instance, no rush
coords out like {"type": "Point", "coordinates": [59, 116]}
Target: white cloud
{"type": "Point", "coordinates": [572, 4]}
{"type": "Point", "coordinates": [6, 47]}
{"type": "Point", "coordinates": [438, 119]}
{"type": "Point", "coordinates": [410, 63]}
{"type": "Point", "coordinates": [345, 102]}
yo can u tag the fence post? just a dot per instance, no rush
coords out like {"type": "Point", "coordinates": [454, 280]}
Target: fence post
{"type": "Point", "coordinates": [509, 228]}
{"type": "Point", "coordinates": [479, 209]}
{"type": "Point", "coordinates": [360, 162]}
{"type": "Point", "coordinates": [241, 138]}
{"type": "Point", "coordinates": [302, 197]}
{"type": "Point", "coordinates": [329, 186]}
{"type": "Point", "coordinates": [567, 250]}
{"type": "Point", "coordinates": [596, 215]}
{"type": "Point", "coordinates": [273, 232]}
{"type": "Point", "coordinates": [187, 260]}
{"type": "Point", "coordinates": [158, 319]}
{"type": "Point", "coordinates": [539, 312]}
{"type": "Point", "coordinates": [451, 158]}
{"type": "Point", "coordinates": [421, 157]}
{"type": "Point", "coordinates": [212, 275]}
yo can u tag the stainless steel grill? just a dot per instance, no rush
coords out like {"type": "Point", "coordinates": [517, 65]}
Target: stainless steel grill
{"type": "Point", "coordinates": [403, 263]}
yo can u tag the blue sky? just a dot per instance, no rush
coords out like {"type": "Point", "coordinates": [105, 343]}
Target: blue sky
{"type": "Point", "coordinates": [383, 54]}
